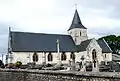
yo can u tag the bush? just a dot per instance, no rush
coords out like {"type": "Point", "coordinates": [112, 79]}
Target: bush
{"type": "Point", "coordinates": [1, 64]}
{"type": "Point", "coordinates": [18, 64]}
{"type": "Point", "coordinates": [10, 65]}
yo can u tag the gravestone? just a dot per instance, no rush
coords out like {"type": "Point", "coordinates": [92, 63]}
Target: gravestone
{"type": "Point", "coordinates": [83, 69]}
{"type": "Point", "coordinates": [95, 66]}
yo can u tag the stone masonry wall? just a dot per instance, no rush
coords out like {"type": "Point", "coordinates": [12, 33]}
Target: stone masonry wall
{"type": "Point", "coordinates": [40, 75]}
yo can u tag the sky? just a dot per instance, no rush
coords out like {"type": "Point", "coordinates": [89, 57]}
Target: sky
{"type": "Point", "coordinates": [101, 17]}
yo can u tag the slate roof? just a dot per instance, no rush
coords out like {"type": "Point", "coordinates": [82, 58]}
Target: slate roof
{"type": "Point", "coordinates": [31, 42]}
{"type": "Point", "coordinates": [83, 45]}
{"type": "Point", "coordinates": [102, 43]}
{"type": "Point", "coordinates": [76, 22]}
{"type": "Point", "coordinates": [104, 46]}
{"type": "Point", "coordinates": [40, 42]}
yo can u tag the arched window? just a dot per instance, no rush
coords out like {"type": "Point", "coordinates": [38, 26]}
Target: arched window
{"type": "Point", "coordinates": [50, 57]}
{"type": "Point", "coordinates": [63, 56]}
{"type": "Point", "coordinates": [94, 56]}
{"type": "Point", "coordinates": [35, 57]}
{"type": "Point", "coordinates": [72, 56]}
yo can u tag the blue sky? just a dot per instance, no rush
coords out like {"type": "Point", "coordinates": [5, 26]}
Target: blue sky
{"type": "Point", "coordinates": [101, 17]}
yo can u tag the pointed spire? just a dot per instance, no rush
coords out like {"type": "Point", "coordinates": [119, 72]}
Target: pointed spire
{"type": "Point", "coordinates": [76, 22]}
{"type": "Point", "coordinates": [76, 18]}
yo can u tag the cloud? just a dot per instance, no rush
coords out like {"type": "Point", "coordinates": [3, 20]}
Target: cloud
{"type": "Point", "coordinates": [106, 8]}
{"type": "Point", "coordinates": [101, 17]}
{"type": "Point", "coordinates": [3, 37]}
{"type": "Point", "coordinates": [4, 30]}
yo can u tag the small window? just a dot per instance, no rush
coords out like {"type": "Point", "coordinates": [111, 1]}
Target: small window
{"type": "Point", "coordinates": [75, 39]}
{"type": "Point", "coordinates": [63, 56]}
{"type": "Point", "coordinates": [105, 55]}
{"type": "Point", "coordinates": [50, 57]}
{"type": "Point", "coordinates": [72, 56]}
{"type": "Point", "coordinates": [80, 33]}
{"type": "Point", "coordinates": [35, 57]}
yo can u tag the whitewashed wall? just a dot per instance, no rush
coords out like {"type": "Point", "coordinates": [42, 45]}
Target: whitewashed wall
{"type": "Point", "coordinates": [80, 54]}
{"type": "Point", "coordinates": [26, 57]}
{"type": "Point", "coordinates": [76, 32]}
{"type": "Point", "coordinates": [94, 45]}
{"type": "Point", "coordinates": [108, 56]}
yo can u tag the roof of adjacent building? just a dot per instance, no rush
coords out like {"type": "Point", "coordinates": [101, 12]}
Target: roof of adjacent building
{"type": "Point", "coordinates": [83, 45]}
{"type": "Point", "coordinates": [76, 22]}
{"type": "Point", "coordinates": [24, 41]}
{"type": "Point", "coordinates": [103, 44]}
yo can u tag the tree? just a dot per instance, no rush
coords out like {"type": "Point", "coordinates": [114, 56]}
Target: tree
{"type": "Point", "coordinates": [1, 64]}
{"type": "Point", "coordinates": [113, 41]}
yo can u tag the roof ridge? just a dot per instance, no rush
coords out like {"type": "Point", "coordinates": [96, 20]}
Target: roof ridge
{"type": "Point", "coordinates": [39, 33]}
{"type": "Point", "coordinates": [87, 40]}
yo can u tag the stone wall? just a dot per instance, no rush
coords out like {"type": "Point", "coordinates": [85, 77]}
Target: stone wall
{"type": "Point", "coordinates": [77, 37]}
{"type": "Point", "coordinates": [40, 75]}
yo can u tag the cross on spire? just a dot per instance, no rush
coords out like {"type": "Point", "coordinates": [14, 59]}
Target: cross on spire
{"type": "Point", "coordinates": [76, 22]}
{"type": "Point", "coordinates": [75, 6]}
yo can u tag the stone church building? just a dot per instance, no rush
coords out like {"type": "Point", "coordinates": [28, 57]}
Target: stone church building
{"type": "Point", "coordinates": [53, 48]}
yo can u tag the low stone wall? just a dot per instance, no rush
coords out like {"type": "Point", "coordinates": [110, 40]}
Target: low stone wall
{"type": "Point", "coordinates": [42, 75]}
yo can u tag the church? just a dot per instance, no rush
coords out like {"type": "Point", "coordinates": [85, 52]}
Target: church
{"type": "Point", "coordinates": [41, 48]}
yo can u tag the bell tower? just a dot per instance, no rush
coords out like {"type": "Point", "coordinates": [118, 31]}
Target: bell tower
{"type": "Point", "coordinates": [77, 30]}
